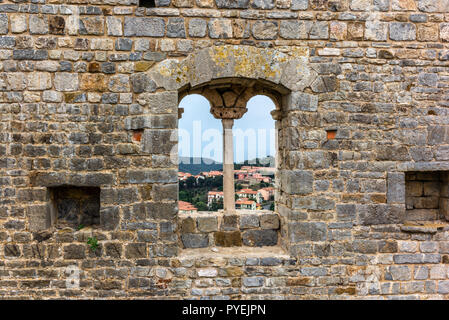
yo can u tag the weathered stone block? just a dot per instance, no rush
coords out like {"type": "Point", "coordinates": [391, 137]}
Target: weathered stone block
{"type": "Point", "coordinates": [66, 81]}
{"type": "Point", "coordinates": [360, 5]}
{"type": "Point", "coordinates": [4, 23]}
{"type": "Point", "coordinates": [158, 141]}
{"type": "Point", "coordinates": [364, 246]}
{"type": "Point", "coordinates": [93, 82]}
{"type": "Point", "coordinates": [376, 31]}
{"type": "Point", "coordinates": [249, 221]}
{"type": "Point", "coordinates": [259, 238]}
{"type": "Point", "coordinates": [161, 210]}
{"type": "Point", "coordinates": [396, 187]}
{"type": "Point", "coordinates": [39, 217]}
{"type": "Point", "coordinates": [194, 240]}
{"type": "Point", "coordinates": [142, 83]}
{"type": "Point", "coordinates": [303, 101]}
{"type": "Point", "coordinates": [149, 176]}
{"type": "Point", "coordinates": [232, 4]}
{"type": "Point", "coordinates": [444, 32]}
{"type": "Point", "coordinates": [402, 31]}
{"type": "Point", "coordinates": [346, 212]}
{"type": "Point", "coordinates": [264, 30]}
{"type": "Point", "coordinates": [427, 32]}
{"type": "Point", "coordinates": [38, 25]}
{"type": "Point", "coordinates": [229, 223]}
{"type": "Point", "coordinates": [123, 44]}
{"type": "Point", "coordinates": [29, 54]}
{"type": "Point", "coordinates": [297, 181]}
{"type": "Point", "coordinates": [109, 218]}
{"type": "Point", "coordinates": [380, 214]}
{"type": "Point", "coordinates": [263, 4]}
{"type": "Point", "coordinates": [197, 27]}
{"type": "Point", "coordinates": [114, 26]}
{"type": "Point", "coordinates": [91, 26]}
{"type": "Point", "coordinates": [269, 221]}
{"type": "Point", "coordinates": [119, 83]}
{"type": "Point", "coordinates": [220, 29]}
{"type": "Point", "coordinates": [228, 239]}
{"type": "Point", "coordinates": [176, 28]}
{"type": "Point", "coordinates": [398, 273]}
{"type": "Point", "coordinates": [57, 25]}
{"type": "Point", "coordinates": [113, 250]}
{"type": "Point", "coordinates": [253, 281]}
{"type": "Point", "coordinates": [319, 30]}
{"type": "Point", "coordinates": [433, 6]}
{"type": "Point", "coordinates": [443, 287]}
{"type": "Point", "coordinates": [136, 251]}
{"type": "Point", "coordinates": [299, 5]}
{"type": "Point", "coordinates": [290, 29]}
{"type": "Point", "coordinates": [12, 250]}
{"type": "Point", "coordinates": [307, 231]}
{"type": "Point", "coordinates": [150, 27]}
{"type": "Point", "coordinates": [74, 251]}
{"type": "Point", "coordinates": [207, 224]}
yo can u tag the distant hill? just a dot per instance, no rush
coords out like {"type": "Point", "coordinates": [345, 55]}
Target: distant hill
{"type": "Point", "coordinates": [197, 165]}
{"type": "Point", "coordinates": [267, 161]}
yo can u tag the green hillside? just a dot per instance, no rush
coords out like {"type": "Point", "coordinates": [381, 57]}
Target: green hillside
{"type": "Point", "coordinates": [197, 165]}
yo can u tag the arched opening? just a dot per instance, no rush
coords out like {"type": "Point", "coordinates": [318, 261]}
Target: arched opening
{"type": "Point", "coordinates": [227, 151]}
{"type": "Point", "coordinates": [200, 157]}
{"type": "Point", "coordinates": [254, 155]}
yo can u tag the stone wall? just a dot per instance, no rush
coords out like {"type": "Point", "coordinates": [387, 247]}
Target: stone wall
{"type": "Point", "coordinates": [89, 94]}
{"type": "Point", "coordinates": [246, 228]}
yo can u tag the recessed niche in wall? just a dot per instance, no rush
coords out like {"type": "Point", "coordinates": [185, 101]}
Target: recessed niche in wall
{"type": "Point", "coordinates": [147, 3]}
{"type": "Point", "coordinates": [75, 206]}
{"type": "Point", "coordinates": [427, 195]}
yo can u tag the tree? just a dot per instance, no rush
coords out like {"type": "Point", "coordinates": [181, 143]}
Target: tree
{"type": "Point", "coordinates": [201, 206]}
{"type": "Point", "coordinates": [182, 184]}
{"type": "Point", "coordinates": [272, 206]}
{"type": "Point", "coordinates": [216, 205]}
{"type": "Point", "coordinates": [190, 182]}
{"type": "Point", "coordinates": [184, 196]}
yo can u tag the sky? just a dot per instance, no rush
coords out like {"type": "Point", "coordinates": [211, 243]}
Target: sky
{"type": "Point", "coordinates": [200, 134]}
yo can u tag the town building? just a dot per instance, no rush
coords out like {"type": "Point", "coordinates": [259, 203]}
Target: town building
{"type": "Point", "coordinates": [249, 193]}
{"type": "Point", "coordinates": [186, 207]}
{"type": "Point", "coordinates": [266, 193]}
{"type": "Point", "coordinates": [245, 203]}
{"type": "Point", "coordinates": [214, 196]}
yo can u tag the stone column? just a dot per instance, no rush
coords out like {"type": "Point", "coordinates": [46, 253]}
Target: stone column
{"type": "Point", "coordinates": [227, 104]}
{"type": "Point", "coordinates": [228, 167]}
{"type": "Point", "coordinates": [227, 116]}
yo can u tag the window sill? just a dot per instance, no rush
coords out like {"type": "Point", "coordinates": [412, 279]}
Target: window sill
{"type": "Point", "coordinates": [235, 252]}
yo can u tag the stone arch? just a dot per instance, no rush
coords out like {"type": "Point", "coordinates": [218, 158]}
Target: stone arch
{"type": "Point", "coordinates": [233, 93]}
{"type": "Point", "coordinates": [228, 76]}
{"type": "Point", "coordinates": [286, 77]}
{"type": "Point", "coordinates": [281, 72]}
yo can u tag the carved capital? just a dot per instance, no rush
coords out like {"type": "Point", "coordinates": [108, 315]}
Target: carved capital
{"type": "Point", "coordinates": [228, 113]}
{"type": "Point", "coordinates": [276, 114]}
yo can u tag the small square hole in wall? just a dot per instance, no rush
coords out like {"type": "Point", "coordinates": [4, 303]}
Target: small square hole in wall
{"type": "Point", "coordinates": [427, 195]}
{"type": "Point", "coordinates": [137, 135]}
{"type": "Point", "coordinates": [147, 3]}
{"type": "Point", "coordinates": [75, 206]}
{"type": "Point", "coordinates": [331, 134]}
